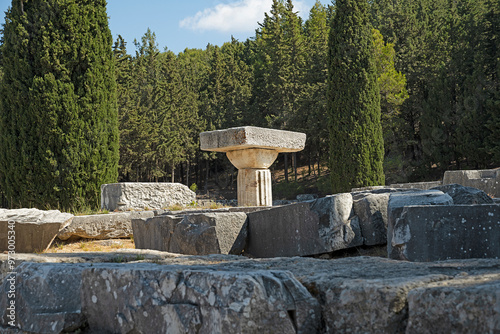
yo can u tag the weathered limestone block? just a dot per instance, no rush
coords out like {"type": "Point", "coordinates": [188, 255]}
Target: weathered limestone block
{"type": "Point", "coordinates": [426, 233]}
{"type": "Point", "coordinates": [417, 185]}
{"type": "Point", "coordinates": [309, 228]}
{"type": "Point", "coordinates": [465, 195]}
{"type": "Point", "coordinates": [306, 197]}
{"type": "Point", "coordinates": [140, 196]}
{"type": "Point", "coordinates": [487, 180]}
{"type": "Point", "coordinates": [355, 294]}
{"type": "Point", "coordinates": [148, 298]}
{"type": "Point", "coordinates": [34, 230]}
{"type": "Point", "coordinates": [154, 233]}
{"type": "Point", "coordinates": [472, 305]}
{"type": "Point", "coordinates": [398, 200]}
{"type": "Point", "coordinates": [194, 234]}
{"type": "Point", "coordinates": [191, 301]}
{"type": "Point", "coordinates": [253, 150]}
{"type": "Point", "coordinates": [104, 226]}
{"type": "Point", "coordinates": [371, 208]}
{"type": "Point", "coordinates": [47, 298]}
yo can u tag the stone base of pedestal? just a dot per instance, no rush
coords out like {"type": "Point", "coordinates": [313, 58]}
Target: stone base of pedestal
{"type": "Point", "coordinates": [254, 187]}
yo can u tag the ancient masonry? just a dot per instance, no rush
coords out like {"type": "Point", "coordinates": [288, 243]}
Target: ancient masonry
{"type": "Point", "coordinates": [253, 150]}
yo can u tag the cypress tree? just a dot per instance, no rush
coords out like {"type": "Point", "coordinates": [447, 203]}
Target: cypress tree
{"type": "Point", "coordinates": [58, 115]}
{"type": "Point", "coordinates": [356, 144]}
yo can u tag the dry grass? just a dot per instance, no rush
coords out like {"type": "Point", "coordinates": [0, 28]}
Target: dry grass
{"type": "Point", "coordinates": [85, 245]}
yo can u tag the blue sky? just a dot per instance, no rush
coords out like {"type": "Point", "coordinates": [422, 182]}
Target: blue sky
{"type": "Point", "coordinates": [188, 23]}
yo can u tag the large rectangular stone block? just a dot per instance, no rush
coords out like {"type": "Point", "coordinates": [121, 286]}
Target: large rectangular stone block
{"type": "Point", "coordinates": [301, 229]}
{"type": "Point", "coordinates": [468, 304]}
{"type": "Point", "coordinates": [103, 226]}
{"type": "Point", "coordinates": [435, 233]}
{"type": "Point", "coordinates": [140, 196]}
{"type": "Point", "coordinates": [487, 180]}
{"type": "Point", "coordinates": [30, 230]}
{"type": "Point", "coordinates": [193, 234]}
{"type": "Point", "coordinates": [399, 200]}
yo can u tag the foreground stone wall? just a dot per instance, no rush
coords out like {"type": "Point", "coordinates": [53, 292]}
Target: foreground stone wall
{"type": "Point", "coordinates": [229, 294]}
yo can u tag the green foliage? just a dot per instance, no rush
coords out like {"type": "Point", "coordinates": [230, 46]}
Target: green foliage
{"type": "Point", "coordinates": [449, 53]}
{"type": "Point", "coordinates": [159, 120]}
{"type": "Point", "coordinates": [356, 143]}
{"type": "Point", "coordinates": [58, 119]}
{"type": "Point", "coordinates": [279, 66]}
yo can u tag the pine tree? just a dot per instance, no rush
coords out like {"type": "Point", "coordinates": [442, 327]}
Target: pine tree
{"type": "Point", "coordinates": [280, 65]}
{"type": "Point", "coordinates": [58, 115]}
{"type": "Point", "coordinates": [313, 107]}
{"type": "Point", "coordinates": [356, 144]}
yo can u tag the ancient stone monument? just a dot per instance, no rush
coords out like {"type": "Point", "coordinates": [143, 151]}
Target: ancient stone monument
{"type": "Point", "coordinates": [253, 150]}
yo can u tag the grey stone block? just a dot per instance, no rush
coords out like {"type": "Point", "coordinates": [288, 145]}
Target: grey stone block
{"type": "Point", "coordinates": [140, 196]}
{"type": "Point", "coordinates": [47, 298]}
{"type": "Point", "coordinates": [424, 233]}
{"type": "Point", "coordinates": [306, 197]}
{"type": "Point", "coordinates": [398, 200]}
{"type": "Point", "coordinates": [463, 305]}
{"type": "Point", "coordinates": [487, 180]}
{"type": "Point", "coordinates": [301, 229]}
{"type": "Point", "coordinates": [105, 226]}
{"type": "Point", "coordinates": [148, 298]}
{"type": "Point", "coordinates": [372, 212]}
{"type": "Point", "coordinates": [417, 185]}
{"type": "Point", "coordinates": [194, 234]}
{"type": "Point", "coordinates": [355, 294]}
{"type": "Point", "coordinates": [465, 195]}
{"type": "Point", "coordinates": [34, 230]}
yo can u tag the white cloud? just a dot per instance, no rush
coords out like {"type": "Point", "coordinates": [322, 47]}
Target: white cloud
{"type": "Point", "coordinates": [240, 16]}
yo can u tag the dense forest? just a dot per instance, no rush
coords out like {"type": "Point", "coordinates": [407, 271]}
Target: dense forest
{"type": "Point", "coordinates": [437, 72]}
{"type": "Point", "coordinates": [438, 68]}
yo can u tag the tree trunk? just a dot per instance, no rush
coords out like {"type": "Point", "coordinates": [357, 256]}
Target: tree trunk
{"type": "Point", "coordinates": [295, 165]}
{"type": "Point", "coordinates": [286, 167]}
{"type": "Point", "coordinates": [188, 165]}
{"type": "Point", "coordinates": [309, 163]}
{"type": "Point", "coordinates": [181, 172]}
{"type": "Point", "coordinates": [206, 176]}
{"type": "Point", "coordinates": [319, 159]}
{"type": "Point", "coordinates": [173, 174]}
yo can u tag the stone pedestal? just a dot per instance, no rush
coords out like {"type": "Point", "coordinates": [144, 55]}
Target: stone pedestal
{"type": "Point", "coordinates": [253, 150]}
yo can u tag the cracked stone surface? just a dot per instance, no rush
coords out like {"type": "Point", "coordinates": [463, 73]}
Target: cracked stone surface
{"type": "Point", "coordinates": [152, 291]}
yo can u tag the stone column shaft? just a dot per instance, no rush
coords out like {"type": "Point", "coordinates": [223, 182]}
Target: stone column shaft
{"type": "Point", "coordinates": [254, 187]}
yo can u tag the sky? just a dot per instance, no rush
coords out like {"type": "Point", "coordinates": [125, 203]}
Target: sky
{"type": "Point", "coordinates": [187, 23]}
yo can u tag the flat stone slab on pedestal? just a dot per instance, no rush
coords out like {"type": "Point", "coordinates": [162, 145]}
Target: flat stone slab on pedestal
{"type": "Point", "coordinates": [34, 230]}
{"type": "Point", "coordinates": [252, 137]}
{"type": "Point", "coordinates": [148, 195]}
